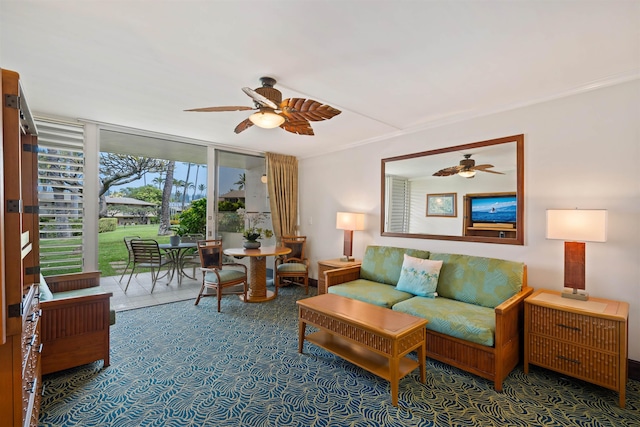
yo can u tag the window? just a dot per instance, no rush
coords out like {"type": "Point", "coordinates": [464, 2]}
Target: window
{"type": "Point", "coordinates": [60, 196]}
{"type": "Point", "coordinates": [397, 207]}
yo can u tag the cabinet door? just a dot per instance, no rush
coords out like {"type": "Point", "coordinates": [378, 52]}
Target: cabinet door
{"type": "Point", "coordinates": [19, 249]}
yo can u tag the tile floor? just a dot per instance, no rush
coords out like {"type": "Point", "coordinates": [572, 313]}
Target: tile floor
{"type": "Point", "coordinates": [139, 292]}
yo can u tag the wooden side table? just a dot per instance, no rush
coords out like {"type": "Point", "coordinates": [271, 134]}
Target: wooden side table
{"type": "Point", "coordinates": [331, 264]}
{"type": "Point", "coordinates": [583, 339]}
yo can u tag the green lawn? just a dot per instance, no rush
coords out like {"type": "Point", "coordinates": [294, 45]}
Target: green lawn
{"type": "Point", "coordinates": [111, 245]}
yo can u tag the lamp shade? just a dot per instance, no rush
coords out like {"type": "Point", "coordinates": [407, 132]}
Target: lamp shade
{"type": "Point", "coordinates": [579, 225]}
{"type": "Point", "coordinates": [349, 221]}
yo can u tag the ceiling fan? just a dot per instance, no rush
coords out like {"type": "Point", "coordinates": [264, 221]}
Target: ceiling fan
{"type": "Point", "coordinates": [467, 168]}
{"type": "Point", "coordinates": [291, 114]}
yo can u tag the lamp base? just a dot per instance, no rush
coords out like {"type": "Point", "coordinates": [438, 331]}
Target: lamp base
{"type": "Point", "coordinates": [582, 296]}
{"type": "Point", "coordinates": [347, 259]}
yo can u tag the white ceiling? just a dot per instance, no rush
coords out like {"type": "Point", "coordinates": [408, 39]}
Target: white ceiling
{"type": "Point", "coordinates": [392, 67]}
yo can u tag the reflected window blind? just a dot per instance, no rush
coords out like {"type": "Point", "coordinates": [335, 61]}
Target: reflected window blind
{"type": "Point", "coordinates": [397, 205]}
{"type": "Point", "coordinates": [60, 196]}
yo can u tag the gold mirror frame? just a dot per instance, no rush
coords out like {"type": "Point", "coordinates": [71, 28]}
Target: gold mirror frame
{"type": "Point", "coordinates": [517, 140]}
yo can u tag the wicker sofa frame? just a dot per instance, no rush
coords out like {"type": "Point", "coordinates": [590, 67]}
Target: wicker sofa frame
{"type": "Point", "coordinates": [75, 325]}
{"type": "Point", "coordinates": [493, 363]}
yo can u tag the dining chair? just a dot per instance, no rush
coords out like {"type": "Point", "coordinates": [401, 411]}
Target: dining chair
{"type": "Point", "coordinates": [191, 258]}
{"type": "Point", "coordinates": [218, 275]}
{"type": "Point", "coordinates": [147, 254]}
{"type": "Point", "coordinates": [127, 243]}
{"type": "Point", "coordinates": [292, 268]}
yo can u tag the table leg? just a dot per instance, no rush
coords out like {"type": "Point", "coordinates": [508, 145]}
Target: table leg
{"type": "Point", "coordinates": [394, 366]}
{"type": "Point", "coordinates": [258, 280]}
{"type": "Point", "coordinates": [422, 359]}
{"type": "Point", "coordinates": [301, 329]}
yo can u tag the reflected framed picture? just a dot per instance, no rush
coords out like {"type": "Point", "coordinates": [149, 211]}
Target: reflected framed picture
{"type": "Point", "coordinates": [443, 205]}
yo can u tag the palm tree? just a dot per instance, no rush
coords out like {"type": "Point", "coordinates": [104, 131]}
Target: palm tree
{"type": "Point", "coordinates": [159, 180]}
{"type": "Point", "coordinates": [177, 183]}
{"type": "Point", "coordinates": [241, 182]}
{"type": "Point", "coordinates": [165, 220]}
{"type": "Point", "coordinates": [185, 185]}
{"type": "Point", "coordinates": [201, 189]}
{"type": "Point", "coordinates": [195, 185]}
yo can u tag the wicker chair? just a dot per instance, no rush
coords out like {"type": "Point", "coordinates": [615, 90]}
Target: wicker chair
{"type": "Point", "coordinates": [292, 268]}
{"type": "Point", "coordinates": [218, 275]}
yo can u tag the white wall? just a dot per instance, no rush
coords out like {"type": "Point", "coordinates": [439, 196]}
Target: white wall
{"type": "Point", "coordinates": [419, 188]}
{"type": "Point", "coordinates": [580, 151]}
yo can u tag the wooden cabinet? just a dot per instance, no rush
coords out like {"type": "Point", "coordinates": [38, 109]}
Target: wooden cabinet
{"type": "Point", "coordinates": [331, 264]}
{"type": "Point", "coordinates": [20, 368]}
{"type": "Point", "coordinates": [582, 339]}
{"type": "Point", "coordinates": [492, 228]}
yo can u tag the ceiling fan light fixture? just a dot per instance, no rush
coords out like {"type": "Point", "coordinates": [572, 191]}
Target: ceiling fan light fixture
{"type": "Point", "coordinates": [266, 119]}
{"type": "Point", "coordinates": [467, 173]}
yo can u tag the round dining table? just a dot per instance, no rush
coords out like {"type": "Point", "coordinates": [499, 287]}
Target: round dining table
{"type": "Point", "coordinates": [176, 254]}
{"type": "Point", "coordinates": [258, 269]}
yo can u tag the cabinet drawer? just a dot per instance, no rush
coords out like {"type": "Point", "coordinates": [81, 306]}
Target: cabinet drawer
{"type": "Point", "coordinates": [585, 363]}
{"type": "Point", "coordinates": [603, 334]}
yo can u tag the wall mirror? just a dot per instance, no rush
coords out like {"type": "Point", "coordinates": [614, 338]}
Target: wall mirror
{"type": "Point", "coordinates": [471, 192]}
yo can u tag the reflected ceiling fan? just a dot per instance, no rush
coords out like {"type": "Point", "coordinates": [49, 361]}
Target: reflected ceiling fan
{"type": "Point", "coordinates": [291, 114]}
{"type": "Point", "coordinates": [467, 168]}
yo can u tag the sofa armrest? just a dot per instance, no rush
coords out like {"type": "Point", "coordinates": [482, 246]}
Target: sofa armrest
{"type": "Point", "coordinates": [514, 301]}
{"type": "Point", "coordinates": [341, 275]}
{"type": "Point", "coordinates": [73, 281]}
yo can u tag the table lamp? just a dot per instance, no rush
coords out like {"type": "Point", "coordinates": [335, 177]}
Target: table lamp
{"type": "Point", "coordinates": [349, 222]}
{"type": "Point", "coordinates": [576, 226]}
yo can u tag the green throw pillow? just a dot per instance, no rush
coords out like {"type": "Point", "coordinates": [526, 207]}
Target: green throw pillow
{"type": "Point", "coordinates": [419, 276]}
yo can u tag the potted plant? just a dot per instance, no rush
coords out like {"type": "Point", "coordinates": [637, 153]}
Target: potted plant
{"type": "Point", "coordinates": [178, 231]}
{"type": "Point", "coordinates": [252, 232]}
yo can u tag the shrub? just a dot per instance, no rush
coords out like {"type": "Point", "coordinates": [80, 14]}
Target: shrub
{"type": "Point", "coordinates": [107, 224]}
{"type": "Point", "coordinates": [194, 219]}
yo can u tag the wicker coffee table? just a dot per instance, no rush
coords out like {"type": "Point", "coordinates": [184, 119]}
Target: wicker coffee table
{"type": "Point", "coordinates": [374, 338]}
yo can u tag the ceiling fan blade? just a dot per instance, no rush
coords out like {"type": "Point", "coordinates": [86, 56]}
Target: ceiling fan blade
{"type": "Point", "coordinates": [262, 100]}
{"type": "Point", "coordinates": [300, 127]}
{"type": "Point", "coordinates": [307, 109]}
{"type": "Point", "coordinates": [448, 171]}
{"type": "Point", "coordinates": [485, 168]}
{"type": "Point", "coordinates": [227, 108]}
{"type": "Point", "coordinates": [243, 125]}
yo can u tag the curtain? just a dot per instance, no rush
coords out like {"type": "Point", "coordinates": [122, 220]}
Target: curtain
{"type": "Point", "coordinates": [282, 184]}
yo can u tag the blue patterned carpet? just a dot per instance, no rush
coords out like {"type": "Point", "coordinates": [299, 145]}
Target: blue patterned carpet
{"type": "Point", "coordinates": [181, 365]}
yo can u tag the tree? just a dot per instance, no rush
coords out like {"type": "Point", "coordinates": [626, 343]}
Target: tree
{"type": "Point", "coordinates": [119, 169]}
{"type": "Point", "coordinates": [241, 182]}
{"type": "Point", "coordinates": [194, 219]}
{"type": "Point", "coordinates": [158, 180]}
{"type": "Point", "coordinates": [148, 193]}
{"type": "Point", "coordinates": [201, 189]}
{"type": "Point", "coordinates": [165, 220]}
{"type": "Point", "coordinates": [185, 186]}
{"type": "Point", "coordinates": [177, 183]}
{"type": "Point", "coordinates": [195, 185]}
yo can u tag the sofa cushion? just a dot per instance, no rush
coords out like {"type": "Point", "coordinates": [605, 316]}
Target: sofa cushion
{"type": "Point", "coordinates": [371, 292]}
{"type": "Point", "coordinates": [419, 276]}
{"type": "Point", "coordinates": [45, 292]}
{"type": "Point", "coordinates": [469, 322]}
{"type": "Point", "coordinates": [476, 280]}
{"type": "Point", "coordinates": [383, 263]}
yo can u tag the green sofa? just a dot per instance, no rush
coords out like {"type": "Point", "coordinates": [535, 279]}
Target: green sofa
{"type": "Point", "coordinates": [476, 319]}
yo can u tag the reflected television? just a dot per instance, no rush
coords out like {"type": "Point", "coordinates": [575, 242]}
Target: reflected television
{"type": "Point", "coordinates": [494, 209]}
